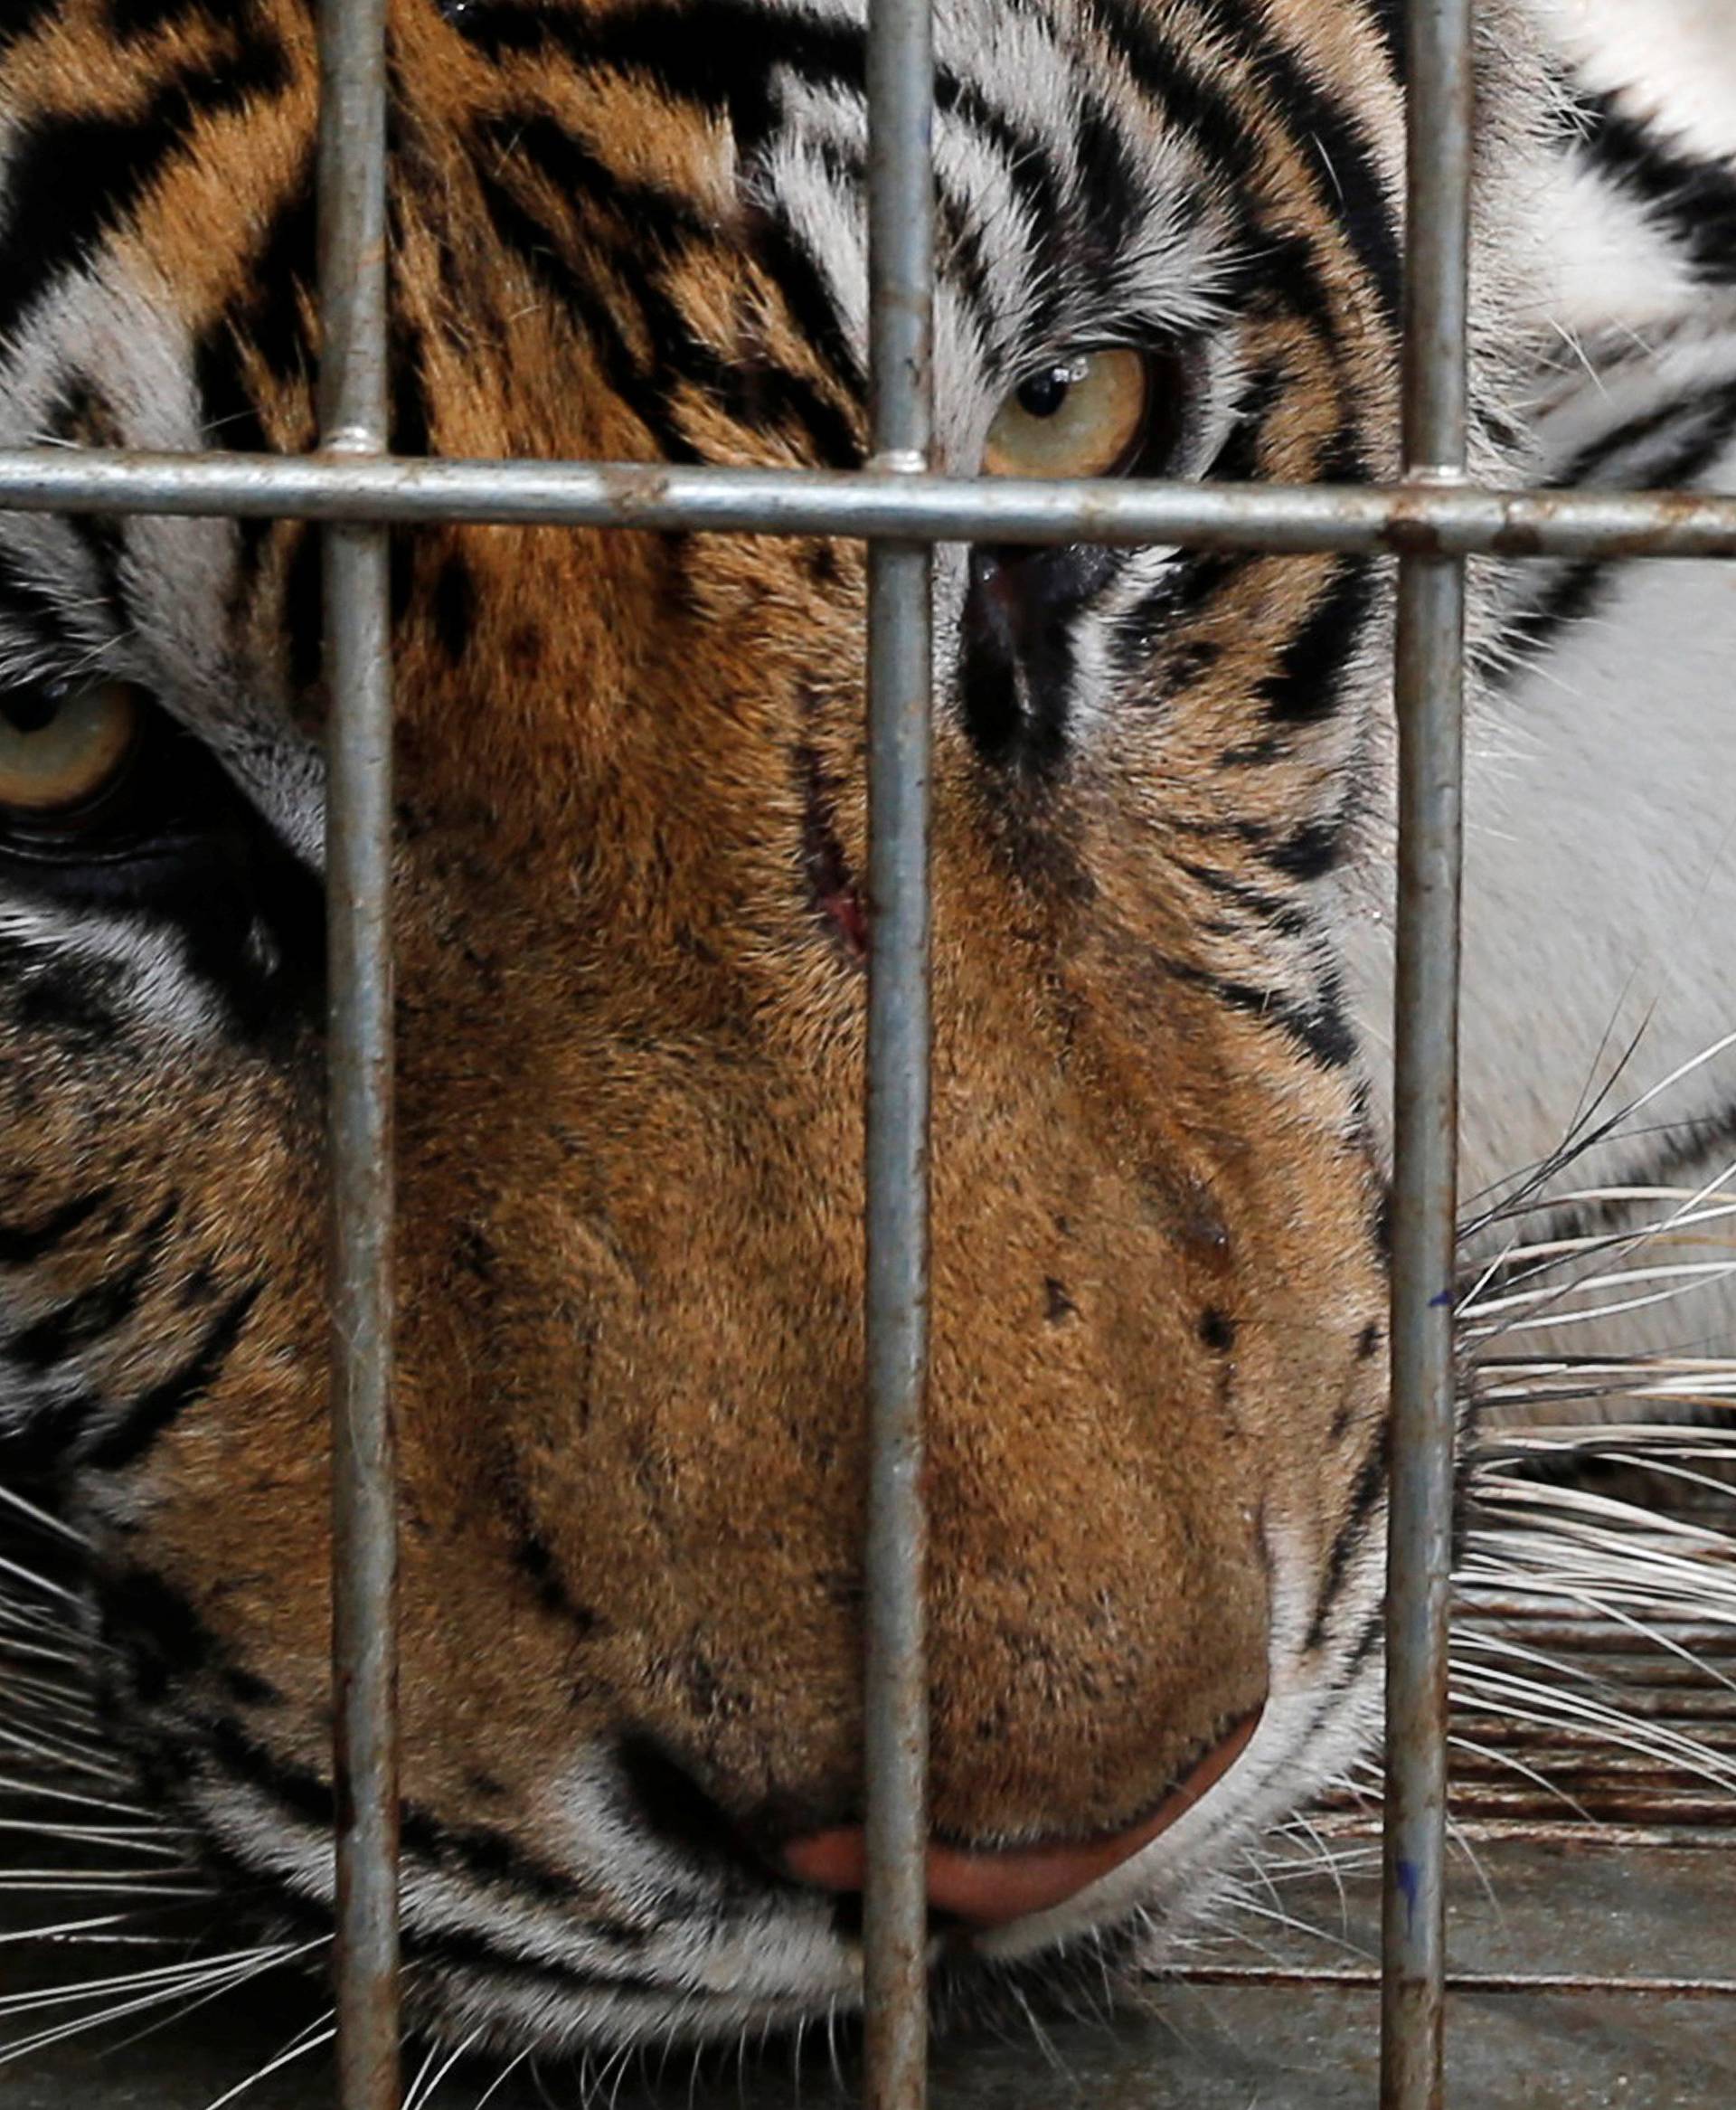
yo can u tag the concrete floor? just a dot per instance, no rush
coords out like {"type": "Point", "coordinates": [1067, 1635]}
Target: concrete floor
{"type": "Point", "coordinates": [1583, 1907]}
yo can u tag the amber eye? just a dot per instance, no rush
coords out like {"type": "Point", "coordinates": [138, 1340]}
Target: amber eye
{"type": "Point", "coordinates": [1082, 416]}
{"type": "Point", "coordinates": [64, 746]}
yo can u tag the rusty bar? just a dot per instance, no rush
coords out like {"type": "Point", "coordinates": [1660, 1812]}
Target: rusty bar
{"type": "Point", "coordinates": [1430, 682]}
{"type": "Point", "coordinates": [353, 405]}
{"type": "Point", "coordinates": [901, 272]}
{"type": "Point", "coordinates": [1454, 520]}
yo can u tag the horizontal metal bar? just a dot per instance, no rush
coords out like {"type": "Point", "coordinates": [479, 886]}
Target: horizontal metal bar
{"type": "Point", "coordinates": [1403, 519]}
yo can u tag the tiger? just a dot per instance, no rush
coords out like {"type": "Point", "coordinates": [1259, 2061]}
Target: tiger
{"type": "Point", "coordinates": [632, 932]}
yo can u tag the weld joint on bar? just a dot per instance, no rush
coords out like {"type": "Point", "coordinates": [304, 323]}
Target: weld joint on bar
{"type": "Point", "coordinates": [346, 442]}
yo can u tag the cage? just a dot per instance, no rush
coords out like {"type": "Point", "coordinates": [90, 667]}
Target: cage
{"type": "Point", "coordinates": [1636, 1834]}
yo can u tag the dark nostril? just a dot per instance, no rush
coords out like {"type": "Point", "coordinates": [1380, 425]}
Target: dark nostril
{"type": "Point", "coordinates": [661, 1792]}
{"type": "Point", "coordinates": [669, 1803]}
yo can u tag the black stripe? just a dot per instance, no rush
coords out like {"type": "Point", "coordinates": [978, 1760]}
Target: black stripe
{"type": "Point", "coordinates": [84, 1319]}
{"type": "Point", "coordinates": [1109, 180]}
{"type": "Point", "coordinates": [1695, 200]}
{"type": "Point", "coordinates": [21, 1244]}
{"type": "Point", "coordinates": [1367, 1641]}
{"type": "Point", "coordinates": [1371, 1485]}
{"type": "Point", "coordinates": [485, 1853]}
{"type": "Point", "coordinates": [722, 57]}
{"type": "Point", "coordinates": [1685, 458]}
{"type": "Point", "coordinates": [1241, 459]}
{"type": "Point", "coordinates": [133, 20]}
{"type": "Point", "coordinates": [959, 241]}
{"type": "Point", "coordinates": [1579, 589]}
{"type": "Point", "coordinates": [1201, 579]}
{"type": "Point", "coordinates": [413, 423]}
{"type": "Point", "coordinates": [81, 1001]}
{"type": "Point", "coordinates": [1349, 189]}
{"type": "Point", "coordinates": [266, 327]}
{"type": "Point", "coordinates": [1278, 911]}
{"type": "Point", "coordinates": [1186, 589]}
{"type": "Point", "coordinates": [102, 536]}
{"type": "Point", "coordinates": [728, 57]}
{"type": "Point", "coordinates": [453, 594]}
{"type": "Point", "coordinates": [81, 416]}
{"type": "Point", "coordinates": [155, 1627]}
{"type": "Point", "coordinates": [129, 1437]}
{"type": "Point", "coordinates": [21, 17]}
{"type": "Point", "coordinates": [759, 392]}
{"type": "Point", "coordinates": [537, 248]}
{"type": "Point", "coordinates": [533, 1556]}
{"type": "Point", "coordinates": [304, 606]}
{"type": "Point", "coordinates": [1194, 105]}
{"type": "Point", "coordinates": [73, 178]}
{"type": "Point", "coordinates": [35, 1448]}
{"type": "Point", "coordinates": [1307, 685]}
{"type": "Point", "coordinates": [1277, 266]}
{"type": "Point", "coordinates": [1029, 168]}
{"type": "Point", "coordinates": [1389, 19]}
{"type": "Point", "coordinates": [1323, 1028]}
{"type": "Point", "coordinates": [1318, 1024]}
{"type": "Point", "coordinates": [1681, 1147]}
{"type": "Point", "coordinates": [804, 294]}
{"type": "Point", "coordinates": [33, 609]}
{"type": "Point", "coordinates": [661, 218]}
{"type": "Point", "coordinates": [1310, 851]}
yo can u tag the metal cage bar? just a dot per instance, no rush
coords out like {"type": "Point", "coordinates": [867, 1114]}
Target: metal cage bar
{"type": "Point", "coordinates": [353, 420]}
{"type": "Point", "coordinates": [900, 329]}
{"type": "Point", "coordinates": [1429, 691]}
{"type": "Point", "coordinates": [872, 505]}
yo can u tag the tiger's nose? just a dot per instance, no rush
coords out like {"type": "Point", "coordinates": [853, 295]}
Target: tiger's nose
{"type": "Point", "coordinates": [988, 1889]}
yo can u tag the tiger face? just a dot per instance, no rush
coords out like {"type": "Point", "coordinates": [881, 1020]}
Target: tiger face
{"type": "Point", "coordinates": [631, 935]}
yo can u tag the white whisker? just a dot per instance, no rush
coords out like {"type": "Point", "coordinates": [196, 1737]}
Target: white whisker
{"type": "Point", "coordinates": [299, 2047]}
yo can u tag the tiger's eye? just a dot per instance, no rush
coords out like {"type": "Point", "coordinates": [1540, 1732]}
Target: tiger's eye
{"type": "Point", "coordinates": [1082, 416]}
{"type": "Point", "coordinates": [61, 747]}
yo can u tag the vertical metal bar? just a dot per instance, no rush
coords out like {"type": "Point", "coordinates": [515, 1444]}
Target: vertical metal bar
{"type": "Point", "coordinates": [1431, 676]}
{"type": "Point", "coordinates": [353, 419]}
{"type": "Point", "coordinates": [900, 251]}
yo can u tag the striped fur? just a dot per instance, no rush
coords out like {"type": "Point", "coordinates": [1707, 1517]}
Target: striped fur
{"type": "Point", "coordinates": [630, 995]}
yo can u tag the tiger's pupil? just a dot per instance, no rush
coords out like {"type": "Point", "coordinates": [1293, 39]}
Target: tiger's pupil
{"type": "Point", "coordinates": [1042, 395]}
{"type": "Point", "coordinates": [1085, 413]}
{"type": "Point", "coordinates": [31, 710]}
{"type": "Point", "coordinates": [64, 746]}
